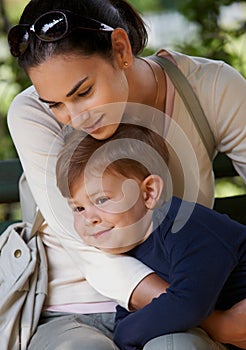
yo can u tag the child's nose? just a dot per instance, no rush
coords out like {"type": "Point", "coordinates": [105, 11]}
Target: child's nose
{"type": "Point", "coordinates": [92, 219]}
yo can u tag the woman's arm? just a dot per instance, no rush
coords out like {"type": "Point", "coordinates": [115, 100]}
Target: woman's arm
{"type": "Point", "coordinates": [228, 326]}
{"type": "Point", "coordinates": [225, 108]}
{"type": "Point", "coordinates": [152, 286]}
{"type": "Point", "coordinates": [38, 138]}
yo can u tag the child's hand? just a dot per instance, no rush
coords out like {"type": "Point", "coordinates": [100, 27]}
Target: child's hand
{"type": "Point", "coordinates": [120, 314]}
{"type": "Point", "coordinates": [124, 335]}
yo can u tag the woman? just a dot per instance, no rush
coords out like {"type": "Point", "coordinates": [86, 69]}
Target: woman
{"type": "Point", "coordinates": [82, 59]}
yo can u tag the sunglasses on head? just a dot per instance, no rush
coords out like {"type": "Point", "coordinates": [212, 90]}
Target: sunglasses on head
{"type": "Point", "coordinates": [51, 26]}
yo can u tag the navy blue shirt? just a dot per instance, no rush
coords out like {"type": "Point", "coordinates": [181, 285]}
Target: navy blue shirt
{"type": "Point", "coordinates": [202, 254]}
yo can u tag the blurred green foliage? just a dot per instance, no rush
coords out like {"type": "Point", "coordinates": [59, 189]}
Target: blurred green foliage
{"type": "Point", "coordinates": [153, 5]}
{"type": "Point", "coordinates": [215, 39]}
{"type": "Point", "coordinates": [12, 79]}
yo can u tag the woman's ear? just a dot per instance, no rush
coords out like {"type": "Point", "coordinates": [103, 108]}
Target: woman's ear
{"type": "Point", "coordinates": [152, 188]}
{"type": "Point", "coordinates": [122, 49]}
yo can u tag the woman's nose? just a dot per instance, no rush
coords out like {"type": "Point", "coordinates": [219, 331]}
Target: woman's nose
{"type": "Point", "coordinates": [76, 114]}
{"type": "Point", "coordinates": [78, 119]}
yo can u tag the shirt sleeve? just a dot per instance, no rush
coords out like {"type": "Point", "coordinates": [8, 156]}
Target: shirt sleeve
{"type": "Point", "coordinates": [221, 91]}
{"type": "Point", "coordinates": [197, 275]}
{"type": "Point", "coordinates": [226, 113]}
{"type": "Point", "coordinates": [38, 138]}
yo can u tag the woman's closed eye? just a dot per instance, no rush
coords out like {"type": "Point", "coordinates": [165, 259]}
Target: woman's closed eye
{"type": "Point", "coordinates": [85, 93]}
{"type": "Point", "coordinates": [56, 105]}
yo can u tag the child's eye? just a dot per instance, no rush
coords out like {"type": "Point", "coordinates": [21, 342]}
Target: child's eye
{"type": "Point", "coordinates": [78, 209]}
{"type": "Point", "coordinates": [102, 200]}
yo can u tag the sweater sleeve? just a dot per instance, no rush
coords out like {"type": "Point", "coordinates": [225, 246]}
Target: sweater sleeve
{"type": "Point", "coordinates": [197, 275]}
{"type": "Point", "coordinates": [226, 114]}
{"type": "Point", "coordinates": [38, 138]}
{"type": "Point", "coordinates": [221, 90]}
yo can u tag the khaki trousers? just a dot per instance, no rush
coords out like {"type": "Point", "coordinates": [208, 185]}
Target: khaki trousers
{"type": "Point", "coordinates": [59, 331]}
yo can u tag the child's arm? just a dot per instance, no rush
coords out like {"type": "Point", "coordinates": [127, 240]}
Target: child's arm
{"type": "Point", "coordinates": [227, 326]}
{"type": "Point", "coordinates": [197, 274]}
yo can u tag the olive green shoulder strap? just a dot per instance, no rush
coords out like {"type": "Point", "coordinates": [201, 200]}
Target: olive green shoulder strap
{"type": "Point", "coordinates": [190, 100]}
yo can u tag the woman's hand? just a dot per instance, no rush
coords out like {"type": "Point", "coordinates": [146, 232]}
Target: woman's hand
{"type": "Point", "coordinates": [228, 326]}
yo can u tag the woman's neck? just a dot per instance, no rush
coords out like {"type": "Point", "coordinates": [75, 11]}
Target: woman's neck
{"type": "Point", "coordinates": [147, 83]}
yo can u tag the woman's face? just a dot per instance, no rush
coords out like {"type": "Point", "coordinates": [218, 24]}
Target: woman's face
{"type": "Point", "coordinates": [88, 93]}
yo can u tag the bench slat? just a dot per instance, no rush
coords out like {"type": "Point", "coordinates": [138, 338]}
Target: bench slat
{"type": "Point", "coordinates": [10, 172]}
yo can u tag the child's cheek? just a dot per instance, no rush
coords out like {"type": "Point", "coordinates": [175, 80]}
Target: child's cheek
{"type": "Point", "coordinates": [79, 224]}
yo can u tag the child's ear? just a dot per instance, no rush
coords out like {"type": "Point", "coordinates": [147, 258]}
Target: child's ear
{"type": "Point", "coordinates": [152, 187]}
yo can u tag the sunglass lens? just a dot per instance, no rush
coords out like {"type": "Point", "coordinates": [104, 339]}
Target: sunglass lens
{"type": "Point", "coordinates": [18, 38]}
{"type": "Point", "coordinates": [51, 26]}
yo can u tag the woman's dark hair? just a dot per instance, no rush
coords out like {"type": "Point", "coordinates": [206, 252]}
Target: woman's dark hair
{"type": "Point", "coordinates": [115, 13]}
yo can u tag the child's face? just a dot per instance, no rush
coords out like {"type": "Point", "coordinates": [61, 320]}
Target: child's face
{"type": "Point", "coordinates": [110, 212]}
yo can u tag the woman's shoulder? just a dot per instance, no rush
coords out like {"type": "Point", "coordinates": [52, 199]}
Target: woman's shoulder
{"type": "Point", "coordinates": [28, 96]}
{"type": "Point", "coordinates": [184, 59]}
{"type": "Point", "coordinates": [31, 119]}
{"type": "Point", "coordinates": [26, 105]}
{"type": "Point", "coordinates": [195, 66]}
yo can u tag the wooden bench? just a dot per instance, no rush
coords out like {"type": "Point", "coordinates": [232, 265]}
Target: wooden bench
{"type": "Point", "coordinates": [11, 170]}
{"type": "Point", "coordinates": [234, 206]}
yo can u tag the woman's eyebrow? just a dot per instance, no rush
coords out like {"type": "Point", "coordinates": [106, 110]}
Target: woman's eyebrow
{"type": "Point", "coordinates": [76, 86]}
{"type": "Point", "coordinates": [70, 93]}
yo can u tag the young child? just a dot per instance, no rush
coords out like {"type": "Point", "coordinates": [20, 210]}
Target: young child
{"type": "Point", "coordinates": [116, 187]}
